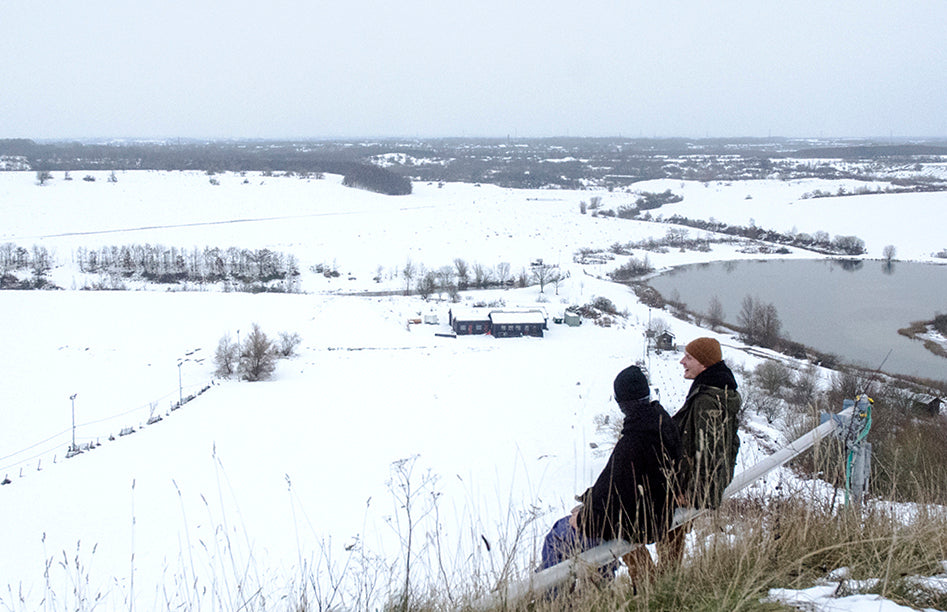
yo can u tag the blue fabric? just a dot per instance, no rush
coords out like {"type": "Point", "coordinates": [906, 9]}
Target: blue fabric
{"type": "Point", "coordinates": [562, 542]}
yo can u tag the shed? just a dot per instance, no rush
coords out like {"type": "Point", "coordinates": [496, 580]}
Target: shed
{"type": "Point", "coordinates": [929, 403]}
{"type": "Point", "coordinates": [664, 341]}
{"type": "Point", "coordinates": [572, 319]}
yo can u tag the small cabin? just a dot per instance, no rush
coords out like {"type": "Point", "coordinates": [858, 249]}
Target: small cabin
{"type": "Point", "coordinates": [664, 341]}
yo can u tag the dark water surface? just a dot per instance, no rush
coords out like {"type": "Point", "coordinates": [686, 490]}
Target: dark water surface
{"type": "Point", "coordinates": [852, 310]}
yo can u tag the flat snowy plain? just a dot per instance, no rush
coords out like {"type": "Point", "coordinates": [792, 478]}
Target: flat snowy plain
{"type": "Point", "coordinates": [251, 482]}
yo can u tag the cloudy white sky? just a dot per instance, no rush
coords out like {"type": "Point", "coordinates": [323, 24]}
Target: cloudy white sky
{"type": "Point", "coordinates": [358, 68]}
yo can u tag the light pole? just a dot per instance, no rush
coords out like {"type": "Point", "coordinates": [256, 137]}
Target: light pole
{"type": "Point", "coordinates": [72, 398]}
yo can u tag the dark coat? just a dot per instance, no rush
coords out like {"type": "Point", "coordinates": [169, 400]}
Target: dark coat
{"type": "Point", "coordinates": [632, 497]}
{"type": "Point", "coordinates": [708, 423]}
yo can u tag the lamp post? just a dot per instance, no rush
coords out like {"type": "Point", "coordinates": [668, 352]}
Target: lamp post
{"type": "Point", "coordinates": [72, 398]}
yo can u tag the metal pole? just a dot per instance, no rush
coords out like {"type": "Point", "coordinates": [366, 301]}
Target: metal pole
{"type": "Point", "coordinates": [72, 398]}
{"type": "Point", "coordinates": [180, 387]}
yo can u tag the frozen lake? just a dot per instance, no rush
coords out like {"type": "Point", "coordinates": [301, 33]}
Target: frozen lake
{"type": "Point", "coordinates": [850, 309]}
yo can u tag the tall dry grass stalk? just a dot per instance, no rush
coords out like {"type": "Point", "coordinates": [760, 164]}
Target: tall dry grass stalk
{"type": "Point", "coordinates": [788, 539]}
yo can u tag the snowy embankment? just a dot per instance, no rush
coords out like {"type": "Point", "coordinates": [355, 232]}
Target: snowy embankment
{"type": "Point", "coordinates": [297, 472]}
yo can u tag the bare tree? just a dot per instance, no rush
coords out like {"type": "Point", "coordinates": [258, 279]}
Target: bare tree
{"type": "Point", "coordinates": [482, 275]}
{"type": "Point", "coordinates": [41, 264]}
{"type": "Point", "coordinates": [445, 280]}
{"type": "Point", "coordinates": [257, 356]}
{"type": "Point", "coordinates": [747, 319]}
{"type": "Point", "coordinates": [889, 253]}
{"type": "Point", "coordinates": [760, 323]}
{"type": "Point", "coordinates": [463, 273]}
{"type": "Point", "coordinates": [770, 326]}
{"type": "Point", "coordinates": [558, 279]}
{"type": "Point", "coordinates": [656, 327]}
{"type": "Point", "coordinates": [503, 272]}
{"type": "Point", "coordinates": [544, 273]}
{"type": "Point", "coordinates": [408, 273]}
{"type": "Point", "coordinates": [427, 285]}
{"type": "Point", "coordinates": [715, 314]}
{"type": "Point", "coordinates": [288, 342]}
{"type": "Point", "coordinates": [226, 357]}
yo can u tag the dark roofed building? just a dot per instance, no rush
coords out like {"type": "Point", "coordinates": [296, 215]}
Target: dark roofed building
{"type": "Point", "coordinates": [511, 324]}
{"type": "Point", "coordinates": [469, 321]}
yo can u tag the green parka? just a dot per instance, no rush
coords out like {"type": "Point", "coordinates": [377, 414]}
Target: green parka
{"type": "Point", "coordinates": [708, 423]}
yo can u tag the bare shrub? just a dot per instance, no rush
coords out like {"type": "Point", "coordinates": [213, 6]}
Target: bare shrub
{"type": "Point", "coordinates": [773, 376]}
{"type": "Point", "coordinates": [225, 358]}
{"type": "Point", "coordinates": [288, 341]}
{"type": "Point", "coordinates": [257, 356]}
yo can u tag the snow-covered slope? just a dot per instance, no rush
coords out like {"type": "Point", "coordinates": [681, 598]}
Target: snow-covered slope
{"type": "Point", "coordinates": [258, 480]}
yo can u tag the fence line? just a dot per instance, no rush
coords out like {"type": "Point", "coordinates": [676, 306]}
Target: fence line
{"type": "Point", "coordinates": [20, 463]}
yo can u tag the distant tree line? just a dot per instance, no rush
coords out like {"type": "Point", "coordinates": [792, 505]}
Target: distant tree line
{"type": "Point", "coordinates": [17, 259]}
{"type": "Point", "coordinates": [649, 201]}
{"type": "Point", "coordinates": [373, 178]}
{"type": "Point", "coordinates": [631, 269]}
{"type": "Point", "coordinates": [818, 241]}
{"type": "Point", "coordinates": [300, 158]}
{"type": "Point", "coordinates": [255, 270]}
{"type": "Point", "coordinates": [562, 162]}
{"type": "Point", "coordinates": [875, 151]}
{"type": "Point", "coordinates": [461, 276]}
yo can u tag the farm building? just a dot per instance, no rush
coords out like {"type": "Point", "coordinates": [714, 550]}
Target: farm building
{"type": "Point", "coordinates": [469, 321]}
{"type": "Point", "coordinates": [509, 324]}
{"type": "Point", "coordinates": [501, 323]}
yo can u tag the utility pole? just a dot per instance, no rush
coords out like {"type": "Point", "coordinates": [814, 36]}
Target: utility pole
{"type": "Point", "coordinates": [72, 398]}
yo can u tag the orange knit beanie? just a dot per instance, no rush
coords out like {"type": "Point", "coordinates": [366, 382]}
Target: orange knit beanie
{"type": "Point", "coordinates": [705, 350]}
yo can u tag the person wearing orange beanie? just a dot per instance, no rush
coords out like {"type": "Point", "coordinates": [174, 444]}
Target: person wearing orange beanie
{"type": "Point", "coordinates": [708, 423]}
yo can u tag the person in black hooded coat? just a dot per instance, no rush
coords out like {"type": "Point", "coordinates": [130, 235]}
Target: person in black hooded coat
{"type": "Point", "coordinates": [633, 497]}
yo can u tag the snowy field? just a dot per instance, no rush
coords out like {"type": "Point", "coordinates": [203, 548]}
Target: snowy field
{"type": "Point", "coordinates": [254, 481]}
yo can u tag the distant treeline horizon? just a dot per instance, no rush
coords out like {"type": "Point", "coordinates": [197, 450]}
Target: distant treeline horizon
{"type": "Point", "coordinates": [389, 165]}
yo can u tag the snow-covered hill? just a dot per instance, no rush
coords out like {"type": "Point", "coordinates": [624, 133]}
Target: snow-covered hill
{"type": "Point", "coordinates": [252, 482]}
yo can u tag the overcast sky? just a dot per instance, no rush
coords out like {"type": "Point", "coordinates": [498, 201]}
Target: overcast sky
{"type": "Point", "coordinates": [403, 68]}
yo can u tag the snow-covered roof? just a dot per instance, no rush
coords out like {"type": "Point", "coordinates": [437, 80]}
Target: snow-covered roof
{"type": "Point", "coordinates": [504, 317]}
{"type": "Point", "coordinates": [470, 314]}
